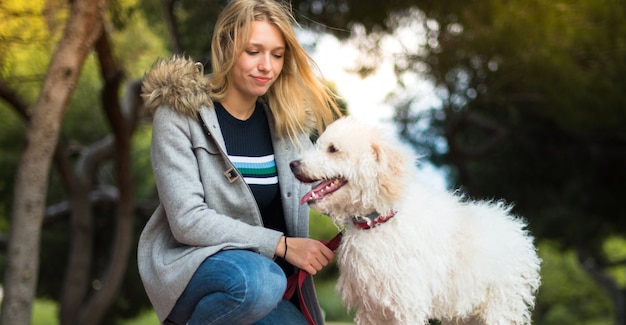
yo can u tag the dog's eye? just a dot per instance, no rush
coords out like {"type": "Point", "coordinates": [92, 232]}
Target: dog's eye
{"type": "Point", "coordinates": [332, 149]}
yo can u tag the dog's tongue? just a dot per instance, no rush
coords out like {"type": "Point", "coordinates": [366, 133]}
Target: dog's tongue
{"type": "Point", "coordinates": [307, 197]}
{"type": "Point", "coordinates": [322, 189]}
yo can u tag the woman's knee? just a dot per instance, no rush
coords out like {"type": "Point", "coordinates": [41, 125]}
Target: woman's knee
{"type": "Point", "coordinates": [255, 280]}
{"type": "Point", "coordinates": [265, 283]}
{"type": "Point", "coordinates": [239, 287]}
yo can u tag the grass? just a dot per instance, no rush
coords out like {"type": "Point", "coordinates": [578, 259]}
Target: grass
{"type": "Point", "coordinates": [45, 312]}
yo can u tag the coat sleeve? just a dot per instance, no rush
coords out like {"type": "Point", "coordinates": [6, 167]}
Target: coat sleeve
{"type": "Point", "coordinates": [181, 192]}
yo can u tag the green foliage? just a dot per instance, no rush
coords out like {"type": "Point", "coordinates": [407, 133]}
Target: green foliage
{"type": "Point", "coordinates": [145, 187]}
{"type": "Point", "coordinates": [85, 106]}
{"type": "Point", "coordinates": [28, 39]}
{"type": "Point", "coordinates": [615, 250]}
{"type": "Point", "coordinates": [11, 142]}
{"type": "Point", "coordinates": [196, 26]}
{"type": "Point", "coordinates": [141, 41]}
{"type": "Point", "coordinates": [568, 295]}
{"type": "Point", "coordinates": [538, 73]}
{"type": "Point", "coordinates": [532, 112]}
{"type": "Point", "coordinates": [195, 20]}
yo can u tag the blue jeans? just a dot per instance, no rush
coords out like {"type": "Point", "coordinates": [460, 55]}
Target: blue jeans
{"type": "Point", "coordinates": [236, 287]}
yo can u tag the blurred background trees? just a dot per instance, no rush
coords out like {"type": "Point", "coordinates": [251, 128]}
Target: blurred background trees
{"type": "Point", "coordinates": [532, 111]}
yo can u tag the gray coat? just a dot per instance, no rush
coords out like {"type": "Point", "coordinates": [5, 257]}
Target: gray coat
{"type": "Point", "coordinates": [204, 207]}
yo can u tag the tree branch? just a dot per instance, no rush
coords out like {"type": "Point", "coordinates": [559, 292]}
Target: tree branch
{"type": "Point", "coordinates": [172, 25]}
{"type": "Point", "coordinates": [14, 100]}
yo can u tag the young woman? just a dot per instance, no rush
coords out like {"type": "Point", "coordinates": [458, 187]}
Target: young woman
{"type": "Point", "coordinates": [230, 228]}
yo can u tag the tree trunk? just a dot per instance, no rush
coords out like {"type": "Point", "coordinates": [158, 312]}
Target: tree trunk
{"type": "Point", "coordinates": [20, 281]}
{"type": "Point", "coordinates": [76, 284]}
{"type": "Point", "coordinates": [123, 119]}
{"type": "Point", "coordinates": [172, 26]}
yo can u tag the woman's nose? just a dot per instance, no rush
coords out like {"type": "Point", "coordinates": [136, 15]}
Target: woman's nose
{"type": "Point", "coordinates": [265, 63]}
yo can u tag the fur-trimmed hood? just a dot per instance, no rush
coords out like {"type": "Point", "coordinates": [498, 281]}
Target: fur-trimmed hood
{"type": "Point", "coordinates": [177, 82]}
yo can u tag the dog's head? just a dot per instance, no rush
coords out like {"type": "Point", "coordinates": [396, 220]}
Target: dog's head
{"type": "Point", "coordinates": [360, 170]}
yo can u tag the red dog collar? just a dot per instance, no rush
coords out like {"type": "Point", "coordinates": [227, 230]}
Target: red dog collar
{"type": "Point", "coordinates": [372, 220]}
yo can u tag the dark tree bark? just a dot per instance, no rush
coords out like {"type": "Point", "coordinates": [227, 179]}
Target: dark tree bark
{"type": "Point", "coordinates": [83, 28]}
{"type": "Point", "coordinates": [122, 119]}
{"type": "Point", "coordinates": [11, 97]}
{"type": "Point", "coordinates": [76, 283]}
{"type": "Point", "coordinates": [172, 25]}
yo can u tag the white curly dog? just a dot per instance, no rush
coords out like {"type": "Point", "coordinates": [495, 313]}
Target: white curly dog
{"type": "Point", "coordinates": [412, 252]}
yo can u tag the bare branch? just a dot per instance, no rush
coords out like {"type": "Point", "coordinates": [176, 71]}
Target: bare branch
{"type": "Point", "coordinates": [172, 25]}
{"type": "Point", "coordinates": [12, 98]}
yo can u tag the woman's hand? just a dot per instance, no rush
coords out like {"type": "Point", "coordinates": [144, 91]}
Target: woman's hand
{"type": "Point", "coordinates": [307, 254]}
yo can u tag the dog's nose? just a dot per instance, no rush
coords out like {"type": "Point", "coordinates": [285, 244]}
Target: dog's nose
{"type": "Point", "coordinates": [294, 165]}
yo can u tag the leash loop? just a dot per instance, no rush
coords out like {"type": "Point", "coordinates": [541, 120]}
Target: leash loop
{"type": "Point", "coordinates": [296, 280]}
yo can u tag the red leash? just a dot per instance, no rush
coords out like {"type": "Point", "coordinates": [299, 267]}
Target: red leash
{"type": "Point", "coordinates": [295, 281]}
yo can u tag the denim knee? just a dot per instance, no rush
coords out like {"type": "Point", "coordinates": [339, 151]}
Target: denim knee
{"type": "Point", "coordinates": [265, 286]}
{"type": "Point", "coordinates": [235, 287]}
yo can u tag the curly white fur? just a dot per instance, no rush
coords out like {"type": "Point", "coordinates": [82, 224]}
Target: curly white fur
{"type": "Point", "coordinates": [441, 256]}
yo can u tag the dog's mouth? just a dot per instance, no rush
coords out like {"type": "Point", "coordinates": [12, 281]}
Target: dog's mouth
{"type": "Point", "coordinates": [321, 190]}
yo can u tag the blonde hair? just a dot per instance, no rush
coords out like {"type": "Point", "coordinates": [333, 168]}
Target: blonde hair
{"type": "Point", "coordinates": [298, 93]}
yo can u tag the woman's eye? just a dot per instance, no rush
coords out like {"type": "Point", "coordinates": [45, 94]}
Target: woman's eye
{"type": "Point", "coordinates": [278, 56]}
{"type": "Point", "coordinates": [251, 52]}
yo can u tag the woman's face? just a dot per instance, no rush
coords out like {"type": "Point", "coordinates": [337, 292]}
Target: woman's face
{"type": "Point", "coordinates": [260, 64]}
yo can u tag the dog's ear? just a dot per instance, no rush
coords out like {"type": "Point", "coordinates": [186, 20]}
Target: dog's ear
{"type": "Point", "coordinates": [377, 150]}
{"type": "Point", "coordinates": [390, 173]}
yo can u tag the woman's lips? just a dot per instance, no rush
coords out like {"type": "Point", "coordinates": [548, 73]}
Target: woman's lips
{"type": "Point", "coordinates": [262, 80]}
